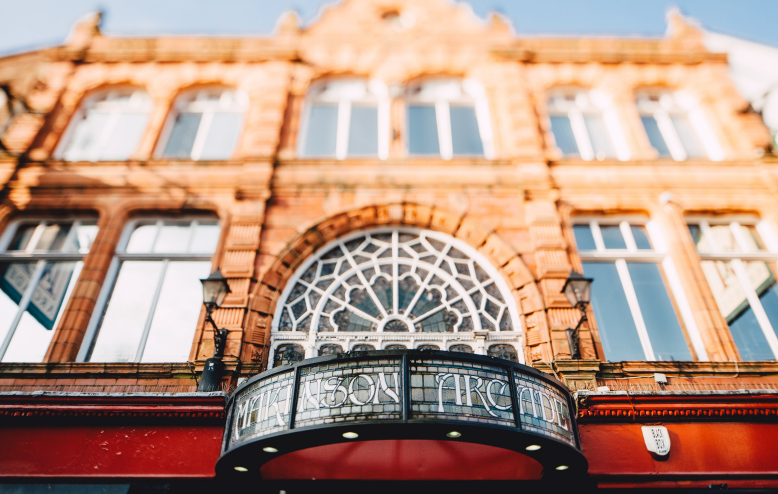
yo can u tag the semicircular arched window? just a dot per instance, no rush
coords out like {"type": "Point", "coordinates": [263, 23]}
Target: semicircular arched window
{"type": "Point", "coordinates": [394, 288]}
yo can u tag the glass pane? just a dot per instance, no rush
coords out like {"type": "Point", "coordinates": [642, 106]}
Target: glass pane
{"type": "Point", "coordinates": [598, 135]}
{"type": "Point", "coordinates": [206, 237]}
{"type": "Point", "coordinates": [175, 318]}
{"type": "Point", "coordinates": [617, 329]}
{"type": "Point", "coordinates": [128, 309]}
{"type": "Point", "coordinates": [36, 327]}
{"type": "Point", "coordinates": [465, 136]}
{"type": "Point", "coordinates": [53, 237]}
{"type": "Point", "coordinates": [763, 283]}
{"type": "Point", "coordinates": [14, 280]}
{"type": "Point", "coordinates": [687, 136]}
{"type": "Point", "coordinates": [724, 238]}
{"type": "Point", "coordinates": [125, 137]}
{"type": "Point", "coordinates": [640, 235]}
{"type": "Point", "coordinates": [182, 137]}
{"type": "Point", "coordinates": [664, 330]}
{"type": "Point", "coordinates": [86, 232]}
{"type": "Point", "coordinates": [22, 237]}
{"type": "Point", "coordinates": [699, 239]}
{"type": "Point", "coordinates": [563, 135]}
{"type": "Point", "coordinates": [612, 237]}
{"type": "Point", "coordinates": [749, 338]}
{"type": "Point", "coordinates": [86, 136]}
{"type": "Point", "coordinates": [752, 238]}
{"type": "Point", "coordinates": [173, 238]}
{"type": "Point", "coordinates": [655, 136]}
{"type": "Point", "coordinates": [142, 239]}
{"type": "Point", "coordinates": [322, 131]}
{"type": "Point", "coordinates": [422, 130]}
{"type": "Point", "coordinates": [363, 131]}
{"type": "Point", "coordinates": [222, 136]}
{"type": "Point", "coordinates": [584, 238]}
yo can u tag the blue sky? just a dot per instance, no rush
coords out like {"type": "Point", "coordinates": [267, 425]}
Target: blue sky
{"type": "Point", "coordinates": [30, 24]}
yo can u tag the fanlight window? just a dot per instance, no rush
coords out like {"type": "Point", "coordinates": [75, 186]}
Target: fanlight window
{"type": "Point", "coordinates": [395, 288]}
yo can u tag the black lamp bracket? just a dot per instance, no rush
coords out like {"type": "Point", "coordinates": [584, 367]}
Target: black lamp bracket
{"type": "Point", "coordinates": [573, 336]}
{"type": "Point", "coordinates": [219, 334]}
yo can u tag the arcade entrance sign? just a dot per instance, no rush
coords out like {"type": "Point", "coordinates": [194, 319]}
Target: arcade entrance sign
{"type": "Point", "coordinates": [401, 394]}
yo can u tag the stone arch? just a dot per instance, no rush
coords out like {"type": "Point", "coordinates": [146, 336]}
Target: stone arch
{"type": "Point", "coordinates": [506, 261]}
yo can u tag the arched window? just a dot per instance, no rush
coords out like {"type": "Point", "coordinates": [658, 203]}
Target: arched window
{"type": "Point", "coordinates": [460, 348]}
{"type": "Point", "coordinates": [584, 126]}
{"type": "Point", "coordinates": [675, 126]}
{"type": "Point", "coordinates": [346, 118]}
{"type": "Point", "coordinates": [448, 118]}
{"type": "Point", "coordinates": [507, 352]}
{"type": "Point", "coordinates": [288, 355]}
{"type": "Point", "coordinates": [204, 125]}
{"type": "Point", "coordinates": [107, 127]}
{"type": "Point", "coordinates": [395, 288]}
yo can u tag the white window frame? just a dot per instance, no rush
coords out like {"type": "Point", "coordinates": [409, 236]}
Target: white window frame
{"type": "Point", "coordinates": [470, 93]}
{"type": "Point", "coordinates": [657, 255]}
{"type": "Point", "coordinates": [121, 255]}
{"type": "Point", "coordinates": [736, 259]}
{"type": "Point", "coordinates": [312, 341]}
{"type": "Point", "coordinates": [575, 103]}
{"type": "Point", "coordinates": [139, 102]}
{"type": "Point", "coordinates": [40, 258]}
{"type": "Point", "coordinates": [376, 92]}
{"type": "Point", "coordinates": [237, 103]}
{"type": "Point", "coordinates": [662, 105]}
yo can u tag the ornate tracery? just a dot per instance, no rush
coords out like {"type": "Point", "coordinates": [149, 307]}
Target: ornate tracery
{"type": "Point", "coordinates": [395, 288]}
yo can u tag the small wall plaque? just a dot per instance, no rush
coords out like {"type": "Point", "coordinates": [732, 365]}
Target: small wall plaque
{"type": "Point", "coordinates": [657, 439]}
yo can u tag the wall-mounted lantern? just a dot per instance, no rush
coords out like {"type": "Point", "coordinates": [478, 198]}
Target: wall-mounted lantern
{"type": "Point", "coordinates": [577, 290]}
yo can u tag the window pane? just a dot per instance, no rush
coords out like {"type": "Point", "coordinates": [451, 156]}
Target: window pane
{"type": "Point", "coordinates": [22, 237]}
{"type": "Point", "coordinates": [465, 136]}
{"type": "Point", "coordinates": [617, 329]}
{"type": "Point", "coordinates": [687, 136]}
{"type": "Point", "coordinates": [53, 237]}
{"type": "Point", "coordinates": [173, 238]}
{"type": "Point", "coordinates": [563, 135]}
{"type": "Point", "coordinates": [641, 237]}
{"type": "Point", "coordinates": [598, 134]}
{"type": "Point", "coordinates": [182, 137]}
{"type": "Point", "coordinates": [584, 238]}
{"type": "Point", "coordinates": [612, 237]}
{"type": "Point", "coordinates": [724, 238]}
{"type": "Point", "coordinates": [14, 280]}
{"type": "Point", "coordinates": [655, 136]}
{"type": "Point", "coordinates": [752, 238]}
{"type": "Point", "coordinates": [86, 136]}
{"type": "Point", "coordinates": [128, 309]}
{"type": "Point", "coordinates": [422, 130]}
{"type": "Point", "coordinates": [142, 239]}
{"type": "Point", "coordinates": [322, 131]}
{"type": "Point", "coordinates": [733, 304]}
{"type": "Point", "coordinates": [175, 319]}
{"type": "Point", "coordinates": [222, 136]}
{"type": "Point", "coordinates": [363, 131]}
{"type": "Point", "coordinates": [125, 137]}
{"type": "Point", "coordinates": [763, 283]}
{"type": "Point", "coordinates": [699, 239]}
{"type": "Point", "coordinates": [659, 316]}
{"type": "Point", "coordinates": [86, 232]}
{"type": "Point", "coordinates": [36, 327]}
{"type": "Point", "coordinates": [205, 239]}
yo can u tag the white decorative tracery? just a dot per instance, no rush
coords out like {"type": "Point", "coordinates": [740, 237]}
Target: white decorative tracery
{"type": "Point", "coordinates": [395, 288]}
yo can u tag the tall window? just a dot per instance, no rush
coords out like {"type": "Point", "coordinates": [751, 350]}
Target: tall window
{"type": "Point", "coordinates": [395, 288]}
{"type": "Point", "coordinates": [155, 293]}
{"type": "Point", "coordinates": [581, 125]}
{"type": "Point", "coordinates": [448, 118]}
{"type": "Point", "coordinates": [346, 118]}
{"type": "Point", "coordinates": [636, 315]}
{"type": "Point", "coordinates": [204, 125]}
{"type": "Point", "coordinates": [676, 127]}
{"type": "Point", "coordinates": [107, 127]}
{"type": "Point", "coordinates": [741, 275]}
{"type": "Point", "coordinates": [39, 264]}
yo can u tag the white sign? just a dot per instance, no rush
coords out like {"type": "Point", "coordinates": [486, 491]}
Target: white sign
{"type": "Point", "coordinates": [657, 439]}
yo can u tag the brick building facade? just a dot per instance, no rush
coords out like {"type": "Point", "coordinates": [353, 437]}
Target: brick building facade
{"type": "Point", "coordinates": [577, 139]}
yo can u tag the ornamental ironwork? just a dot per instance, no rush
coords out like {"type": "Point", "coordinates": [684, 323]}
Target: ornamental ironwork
{"type": "Point", "coordinates": [395, 281]}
